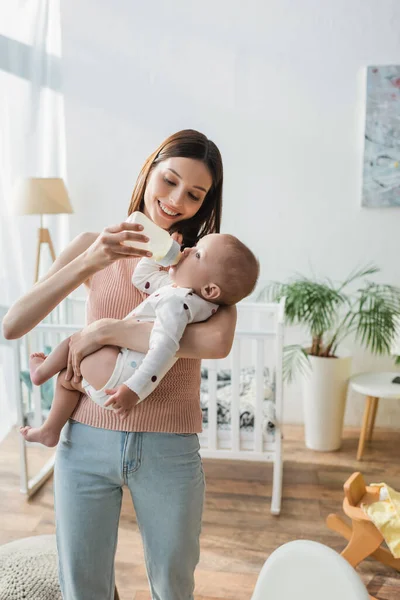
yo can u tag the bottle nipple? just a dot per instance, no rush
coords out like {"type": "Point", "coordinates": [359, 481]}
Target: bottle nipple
{"type": "Point", "coordinates": [177, 259]}
{"type": "Point", "coordinates": [172, 257]}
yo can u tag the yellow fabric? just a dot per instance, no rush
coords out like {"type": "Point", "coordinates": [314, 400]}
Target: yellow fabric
{"type": "Point", "coordinates": [385, 514]}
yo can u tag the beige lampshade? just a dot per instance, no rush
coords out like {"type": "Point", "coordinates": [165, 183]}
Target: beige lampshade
{"type": "Point", "coordinates": [41, 196]}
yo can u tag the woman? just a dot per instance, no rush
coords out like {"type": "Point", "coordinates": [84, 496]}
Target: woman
{"type": "Point", "coordinates": [155, 450]}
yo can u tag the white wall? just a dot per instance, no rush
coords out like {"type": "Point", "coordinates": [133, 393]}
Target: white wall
{"type": "Point", "coordinates": [277, 84]}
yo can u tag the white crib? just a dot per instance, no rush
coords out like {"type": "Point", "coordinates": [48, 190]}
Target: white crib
{"type": "Point", "coordinates": [257, 354]}
{"type": "Point", "coordinates": [240, 423]}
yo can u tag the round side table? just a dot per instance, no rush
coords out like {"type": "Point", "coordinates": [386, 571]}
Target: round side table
{"type": "Point", "coordinates": [374, 386]}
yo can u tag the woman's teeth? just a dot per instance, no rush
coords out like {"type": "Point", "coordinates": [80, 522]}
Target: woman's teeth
{"type": "Point", "coordinates": [167, 210]}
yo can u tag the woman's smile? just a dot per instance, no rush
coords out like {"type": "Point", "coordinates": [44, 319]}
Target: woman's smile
{"type": "Point", "coordinates": [167, 211]}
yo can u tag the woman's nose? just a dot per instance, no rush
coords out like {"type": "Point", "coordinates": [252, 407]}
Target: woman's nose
{"type": "Point", "coordinates": [176, 197]}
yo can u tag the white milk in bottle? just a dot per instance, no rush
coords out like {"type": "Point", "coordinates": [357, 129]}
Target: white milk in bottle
{"type": "Point", "coordinates": [166, 251]}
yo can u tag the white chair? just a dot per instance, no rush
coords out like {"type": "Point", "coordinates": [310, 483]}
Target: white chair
{"type": "Point", "coordinates": [306, 570]}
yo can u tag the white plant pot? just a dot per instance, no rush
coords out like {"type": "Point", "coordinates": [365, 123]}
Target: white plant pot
{"type": "Point", "coordinates": [324, 401]}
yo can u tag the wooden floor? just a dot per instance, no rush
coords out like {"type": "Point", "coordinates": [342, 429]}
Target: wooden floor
{"type": "Point", "coordinates": [238, 530]}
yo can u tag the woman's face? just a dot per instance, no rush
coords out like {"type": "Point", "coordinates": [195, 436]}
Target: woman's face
{"type": "Point", "coordinates": [175, 190]}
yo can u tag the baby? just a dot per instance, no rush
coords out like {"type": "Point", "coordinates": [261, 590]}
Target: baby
{"type": "Point", "coordinates": [219, 270]}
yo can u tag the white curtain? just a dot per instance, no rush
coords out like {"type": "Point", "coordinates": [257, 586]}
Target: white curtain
{"type": "Point", "coordinates": [32, 143]}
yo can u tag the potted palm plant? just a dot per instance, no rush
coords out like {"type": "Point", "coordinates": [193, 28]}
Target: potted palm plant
{"type": "Point", "coordinates": [331, 313]}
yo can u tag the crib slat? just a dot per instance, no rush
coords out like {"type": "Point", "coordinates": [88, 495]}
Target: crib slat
{"type": "Point", "coordinates": [235, 406]}
{"type": "Point", "coordinates": [259, 361]}
{"type": "Point", "coordinates": [38, 343]}
{"type": "Point", "coordinates": [258, 412]}
{"type": "Point", "coordinates": [279, 343]}
{"type": "Point", "coordinates": [212, 405]}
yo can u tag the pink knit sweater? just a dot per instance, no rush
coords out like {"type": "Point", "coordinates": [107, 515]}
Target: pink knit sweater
{"type": "Point", "coordinates": [174, 406]}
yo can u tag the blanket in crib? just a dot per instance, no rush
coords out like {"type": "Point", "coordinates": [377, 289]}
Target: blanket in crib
{"type": "Point", "coordinates": [247, 396]}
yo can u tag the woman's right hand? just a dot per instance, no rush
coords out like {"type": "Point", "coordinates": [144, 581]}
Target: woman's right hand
{"type": "Point", "coordinates": [109, 247]}
{"type": "Point", "coordinates": [85, 342]}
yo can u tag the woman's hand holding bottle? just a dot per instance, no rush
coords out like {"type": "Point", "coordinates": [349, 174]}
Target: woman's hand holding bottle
{"type": "Point", "coordinates": [109, 247]}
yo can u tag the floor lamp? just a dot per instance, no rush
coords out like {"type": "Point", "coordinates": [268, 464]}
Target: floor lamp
{"type": "Point", "coordinates": [42, 196]}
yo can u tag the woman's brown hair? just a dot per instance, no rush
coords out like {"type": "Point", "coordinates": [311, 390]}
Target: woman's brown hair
{"type": "Point", "coordinates": [188, 143]}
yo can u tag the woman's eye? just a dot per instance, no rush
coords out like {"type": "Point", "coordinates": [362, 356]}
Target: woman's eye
{"type": "Point", "coordinates": [168, 181]}
{"type": "Point", "coordinates": [193, 197]}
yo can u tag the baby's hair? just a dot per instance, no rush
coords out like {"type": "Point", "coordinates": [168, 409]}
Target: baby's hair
{"type": "Point", "coordinates": [238, 273]}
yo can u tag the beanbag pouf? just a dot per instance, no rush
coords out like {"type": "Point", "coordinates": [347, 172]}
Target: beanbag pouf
{"type": "Point", "coordinates": [29, 569]}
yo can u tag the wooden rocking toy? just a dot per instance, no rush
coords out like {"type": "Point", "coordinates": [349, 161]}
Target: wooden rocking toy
{"type": "Point", "coordinates": [364, 539]}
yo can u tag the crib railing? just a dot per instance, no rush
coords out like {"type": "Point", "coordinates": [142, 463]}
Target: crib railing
{"type": "Point", "coordinates": [255, 445]}
{"type": "Point", "coordinates": [232, 444]}
{"type": "Point", "coordinates": [42, 336]}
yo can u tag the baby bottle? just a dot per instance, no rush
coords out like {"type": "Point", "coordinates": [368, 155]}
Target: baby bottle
{"type": "Point", "coordinates": [166, 251]}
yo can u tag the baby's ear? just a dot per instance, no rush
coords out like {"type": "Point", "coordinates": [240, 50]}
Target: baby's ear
{"type": "Point", "coordinates": [211, 291]}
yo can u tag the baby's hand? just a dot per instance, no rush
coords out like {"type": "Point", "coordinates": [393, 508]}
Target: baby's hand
{"type": "Point", "coordinates": [178, 237]}
{"type": "Point", "coordinates": [122, 399]}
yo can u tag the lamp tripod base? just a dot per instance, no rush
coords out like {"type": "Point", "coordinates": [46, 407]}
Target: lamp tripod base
{"type": "Point", "coordinates": [43, 238]}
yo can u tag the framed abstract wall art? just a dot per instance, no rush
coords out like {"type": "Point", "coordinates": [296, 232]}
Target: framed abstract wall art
{"type": "Point", "coordinates": [381, 173]}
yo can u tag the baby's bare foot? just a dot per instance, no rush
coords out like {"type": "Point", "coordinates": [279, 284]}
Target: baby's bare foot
{"type": "Point", "coordinates": [42, 435]}
{"type": "Point", "coordinates": [35, 360]}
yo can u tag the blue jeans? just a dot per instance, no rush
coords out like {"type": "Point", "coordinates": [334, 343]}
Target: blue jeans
{"type": "Point", "coordinates": [165, 478]}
